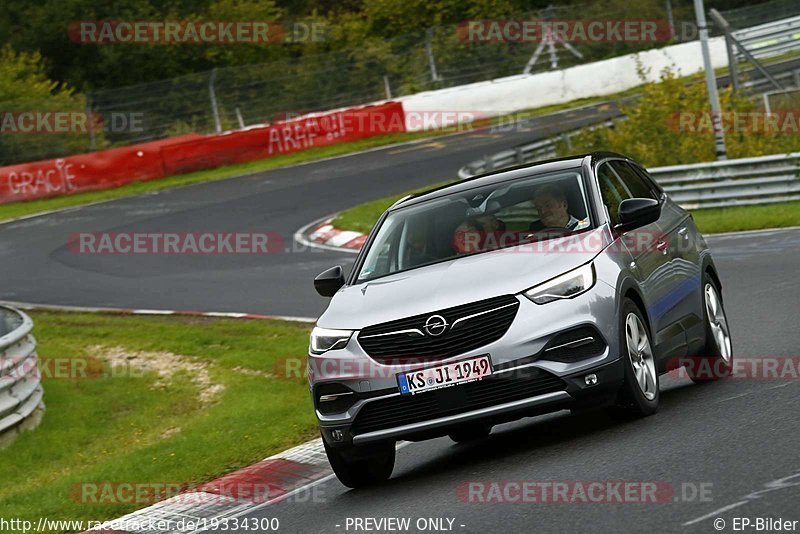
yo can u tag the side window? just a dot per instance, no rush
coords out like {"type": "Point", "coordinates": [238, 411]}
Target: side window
{"type": "Point", "coordinates": [648, 179]}
{"type": "Point", "coordinates": [612, 190]}
{"type": "Point", "coordinates": [636, 184]}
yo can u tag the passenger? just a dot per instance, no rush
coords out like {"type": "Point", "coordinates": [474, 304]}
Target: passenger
{"type": "Point", "coordinates": [472, 235]}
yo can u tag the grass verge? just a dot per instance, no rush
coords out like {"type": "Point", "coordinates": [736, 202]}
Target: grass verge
{"type": "Point", "coordinates": [187, 400]}
{"type": "Point", "coordinates": [362, 217]}
{"type": "Point", "coordinates": [738, 218]}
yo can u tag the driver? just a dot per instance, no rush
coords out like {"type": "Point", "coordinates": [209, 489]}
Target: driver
{"type": "Point", "coordinates": [551, 204]}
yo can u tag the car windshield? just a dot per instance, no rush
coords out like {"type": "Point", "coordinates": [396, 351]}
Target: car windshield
{"type": "Point", "coordinates": [478, 220]}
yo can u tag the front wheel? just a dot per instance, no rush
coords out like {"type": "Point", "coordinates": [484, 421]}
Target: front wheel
{"type": "Point", "coordinates": [716, 360]}
{"type": "Point", "coordinates": [639, 395]}
{"type": "Point", "coordinates": [356, 467]}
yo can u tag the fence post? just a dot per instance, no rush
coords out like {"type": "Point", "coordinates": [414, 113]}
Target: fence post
{"type": "Point", "coordinates": [670, 20]}
{"type": "Point", "coordinates": [90, 120]}
{"type": "Point", "coordinates": [387, 87]}
{"type": "Point", "coordinates": [429, 53]}
{"type": "Point", "coordinates": [212, 95]}
{"type": "Point", "coordinates": [729, 46]}
{"type": "Point", "coordinates": [568, 141]}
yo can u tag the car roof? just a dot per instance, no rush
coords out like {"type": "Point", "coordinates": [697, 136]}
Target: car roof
{"type": "Point", "coordinates": [506, 174]}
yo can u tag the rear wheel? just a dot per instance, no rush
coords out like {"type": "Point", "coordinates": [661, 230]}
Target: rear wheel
{"type": "Point", "coordinates": [470, 433]}
{"type": "Point", "coordinates": [639, 395]}
{"type": "Point", "coordinates": [356, 467]}
{"type": "Point", "coordinates": [716, 360]}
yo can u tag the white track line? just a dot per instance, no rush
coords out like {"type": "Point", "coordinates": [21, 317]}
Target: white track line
{"type": "Point", "coordinates": [129, 311]}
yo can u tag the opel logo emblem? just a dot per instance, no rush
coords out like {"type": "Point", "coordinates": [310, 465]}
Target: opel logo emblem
{"type": "Point", "coordinates": [435, 325]}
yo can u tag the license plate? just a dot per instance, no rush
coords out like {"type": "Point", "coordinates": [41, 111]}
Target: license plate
{"type": "Point", "coordinates": [444, 376]}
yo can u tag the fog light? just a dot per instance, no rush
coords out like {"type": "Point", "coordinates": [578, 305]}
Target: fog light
{"type": "Point", "coordinates": [337, 435]}
{"type": "Point", "coordinates": [590, 379]}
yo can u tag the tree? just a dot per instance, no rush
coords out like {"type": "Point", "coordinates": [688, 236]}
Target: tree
{"type": "Point", "coordinates": [24, 86]}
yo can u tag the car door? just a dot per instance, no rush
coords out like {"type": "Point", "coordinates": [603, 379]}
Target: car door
{"type": "Point", "coordinates": [685, 258]}
{"type": "Point", "coordinates": [649, 249]}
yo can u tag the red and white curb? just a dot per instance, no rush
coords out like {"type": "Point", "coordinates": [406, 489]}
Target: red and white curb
{"type": "Point", "coordinates": [322, 234]}
{"type": "Point", "coordinates": [291, 473]}
{"type": "Point", "coordinates": [267, 482]}
{"type": "Point", "coordinates": [134, 311]}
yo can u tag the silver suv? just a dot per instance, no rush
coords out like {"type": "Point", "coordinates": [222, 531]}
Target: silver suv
{"type": "Point", "coordinates": [567, 284]}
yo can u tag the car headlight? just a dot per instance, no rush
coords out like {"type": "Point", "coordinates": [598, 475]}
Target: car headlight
{"type": "Point", "coordinates": [565, 286]}
{"type": "Point", "coordinates": [325, 339]}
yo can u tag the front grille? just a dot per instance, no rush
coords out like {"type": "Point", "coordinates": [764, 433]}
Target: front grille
{"type": "Point", "coordinates": [491, 391]}
{"type": "Point", "coordinates": [413, 343]}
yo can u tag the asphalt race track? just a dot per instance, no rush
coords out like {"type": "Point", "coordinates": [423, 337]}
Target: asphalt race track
{"type": "Point", "coordinates": [36, 266]}
{"type": "Point", "coordinates": [733, 439]}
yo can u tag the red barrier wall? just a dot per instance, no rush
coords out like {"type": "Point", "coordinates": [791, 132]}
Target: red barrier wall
{"type": "Point", "coordinates": [85, 172]}
{"type": "Point", "coordinates": [157, 159]}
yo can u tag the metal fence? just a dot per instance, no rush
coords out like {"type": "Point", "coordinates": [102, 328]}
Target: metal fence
{"type": "Point", "coordinates": [520, 154]}
{"type": "Point", "coordinates": [327, 76]}
{"type": "Point", "coordinates": [736, 182]}
{"type": "Point", "coordinates": [21, 393]}
{"type": "Point", "coordinates": [771, 39]}
{"type": "Point", "coordinates": [332, 74]}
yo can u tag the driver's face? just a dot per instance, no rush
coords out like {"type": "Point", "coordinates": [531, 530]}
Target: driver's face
{"type": "Point", "coordinates": [552, 212]}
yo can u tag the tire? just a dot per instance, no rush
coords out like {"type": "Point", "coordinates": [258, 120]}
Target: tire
{"type": "Point", "coordinates": [716, 360]}
{"type": "Point", "coordinates": [639, 394]}
{"type": "Point", "coordinates": [357, 467]}
{"type": "Point", "coordinates": [470, 433]}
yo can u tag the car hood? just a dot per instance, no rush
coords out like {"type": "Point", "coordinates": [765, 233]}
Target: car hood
{"type": "Point", "coordinates": [460, 281]}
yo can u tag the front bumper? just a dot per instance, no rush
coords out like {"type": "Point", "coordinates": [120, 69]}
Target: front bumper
{"type": "Point", "coordinates": [575, 394]}
{"type": "Point", "coordinates": [524, 347]}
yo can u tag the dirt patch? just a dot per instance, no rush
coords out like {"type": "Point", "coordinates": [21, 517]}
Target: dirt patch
{"type": "Point", "coordinates": [168, 433]}
{"type": "Point", "coordinates": [252, 372]}
{"type": "Point", "coordinates": [165, 365]}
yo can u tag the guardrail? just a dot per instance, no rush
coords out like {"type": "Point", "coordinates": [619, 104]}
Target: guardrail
{"type": "Point", "coordinates": [21, 393]}
{"type": "Point", "coordinates": [520, 154]}
{"type": "Point", "coordinates": [735, 182]}
{"type": "Point", "coordinates": [771, 39]}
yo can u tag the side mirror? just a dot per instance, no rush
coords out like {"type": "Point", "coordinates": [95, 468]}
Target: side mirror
{"type": "Point", "coordinates": [637, 212]}
{"type": "Point", "coordinates": [327, 283]}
